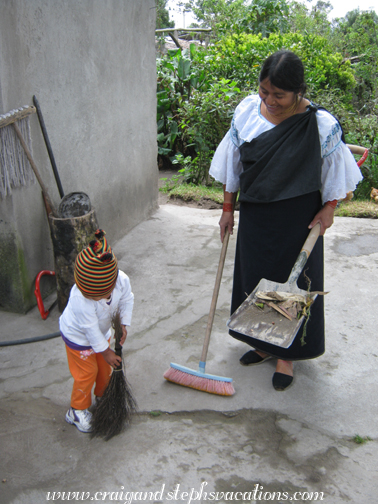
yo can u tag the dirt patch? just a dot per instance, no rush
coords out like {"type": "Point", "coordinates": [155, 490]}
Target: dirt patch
{"type": "Point", "coordinates": [203, 203]}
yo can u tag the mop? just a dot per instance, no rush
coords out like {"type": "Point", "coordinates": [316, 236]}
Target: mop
{"type": "Point", "coordinates": [14, 164]}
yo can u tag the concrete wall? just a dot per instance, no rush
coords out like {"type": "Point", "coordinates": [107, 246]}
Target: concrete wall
{"type": "Point", "coordinates": [91, 65]}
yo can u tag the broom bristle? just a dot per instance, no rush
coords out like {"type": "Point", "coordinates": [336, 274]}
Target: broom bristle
{"type": "Point", "coordinates": [115, 409]}
{"type": "Point", "coordinates": [206, 384]}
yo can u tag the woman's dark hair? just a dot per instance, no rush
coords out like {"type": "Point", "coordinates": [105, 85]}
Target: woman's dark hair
{"type": "Point", "coordinates": [285, 71]}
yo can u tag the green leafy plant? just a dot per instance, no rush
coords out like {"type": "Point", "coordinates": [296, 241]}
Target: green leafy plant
{"type": "Point", "coordinates": [237, 16]}
{"type": "Point", "coordinates": [361, 440]}
{"type": "Point", "coordinates": [356, 36]}
{"type": "Point", "coordinates": [239, 57]}
{"type": "Point", "coordinates": [194, 170]}
{"type": "Point", "coordinates": [204, 121]}
{"type": "Point", "coordinates": [198, 89]}
{"type": "Point", "coordinates": [177, 77]}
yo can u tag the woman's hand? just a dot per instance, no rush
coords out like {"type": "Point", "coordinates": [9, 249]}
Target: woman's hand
{"type": "Point", "coordinates": [227, 217]}
{"type": "Point", "coordinates": [226, 221]}
{"type": "Point", "coordinates": [324, 217]}
{"type": "Point", "coordinates": [111, 358]}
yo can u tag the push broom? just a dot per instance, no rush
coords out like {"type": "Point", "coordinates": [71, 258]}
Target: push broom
{"type": "Point", "coordinates": [117, 405]}
{"type": "Point", "coordinates": [200, 380]}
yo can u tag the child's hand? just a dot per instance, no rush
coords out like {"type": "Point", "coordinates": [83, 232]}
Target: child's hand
{"type": "Point", "coordinates": [111, 358]}
{"type": "Point", "coordinates": [124, 334]}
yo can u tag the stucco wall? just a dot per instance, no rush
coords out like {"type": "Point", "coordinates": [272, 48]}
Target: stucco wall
{"type": "Point", "coordinates": [91, 64]}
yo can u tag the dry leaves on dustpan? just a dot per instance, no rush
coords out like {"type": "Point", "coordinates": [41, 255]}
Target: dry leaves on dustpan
{"type": "Point", "coordinates": [291, 306]}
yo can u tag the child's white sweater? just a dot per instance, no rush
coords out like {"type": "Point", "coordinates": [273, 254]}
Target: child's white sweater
{"type": "Point", "coordinates": [87, 323]}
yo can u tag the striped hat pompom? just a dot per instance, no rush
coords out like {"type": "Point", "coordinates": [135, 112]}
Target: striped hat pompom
{"type": "Point", "coordinates": [96, 268]}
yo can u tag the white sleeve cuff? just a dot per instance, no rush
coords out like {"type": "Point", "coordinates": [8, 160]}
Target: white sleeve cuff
{"type": "Point", "coordinates": [226, 166]}
{"type": "Point", "coordinates": [340, 174]}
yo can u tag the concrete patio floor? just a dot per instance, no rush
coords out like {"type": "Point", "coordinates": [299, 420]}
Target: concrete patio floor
{"type": "Point", "coordinates": [186, 445]}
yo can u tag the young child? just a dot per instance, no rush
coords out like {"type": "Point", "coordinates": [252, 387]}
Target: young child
{"type": "Point", "coordinates": [100, 290]}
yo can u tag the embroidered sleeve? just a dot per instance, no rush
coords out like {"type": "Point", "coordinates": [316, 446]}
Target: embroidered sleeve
{"type": "Point", "coordinates": [332, 140]}
{"type": "Point", "coordinates": [226, 166]}
{"type": "Point", "coordinates": [234, 134]}
{"type": "Point", "coordinates": [340, 172]}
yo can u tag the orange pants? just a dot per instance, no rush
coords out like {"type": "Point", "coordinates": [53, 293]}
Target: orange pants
{"type": "Point", "coordinates": [87, 368]}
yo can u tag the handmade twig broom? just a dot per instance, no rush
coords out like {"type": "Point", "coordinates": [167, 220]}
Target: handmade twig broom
{"type": "Point", "coordinates": [199, 379]}
{"type": "Point", "coordinates": [115, 408]}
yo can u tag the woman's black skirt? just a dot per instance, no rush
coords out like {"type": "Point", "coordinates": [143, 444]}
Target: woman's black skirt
{"type": "Point", "coordinates": [270, 237]}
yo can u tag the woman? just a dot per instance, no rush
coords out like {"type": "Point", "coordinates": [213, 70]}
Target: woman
{"type": "Point", "coordinates": [288, 159]}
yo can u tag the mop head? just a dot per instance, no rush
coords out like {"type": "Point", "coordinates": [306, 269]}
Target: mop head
{"type": "Point", "coordinates": [199, 381]}
{"type": "Point", "coordinates": [15, 169]}
{"type": "Point", "coordinates": [117, 405]}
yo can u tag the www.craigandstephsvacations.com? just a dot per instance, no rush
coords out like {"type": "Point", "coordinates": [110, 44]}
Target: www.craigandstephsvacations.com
{"type": "Point", "coordinates": [177, 494]}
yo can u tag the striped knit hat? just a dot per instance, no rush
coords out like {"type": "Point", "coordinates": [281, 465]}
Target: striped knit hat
{"type": "Point", "coordinates": [96, 268]}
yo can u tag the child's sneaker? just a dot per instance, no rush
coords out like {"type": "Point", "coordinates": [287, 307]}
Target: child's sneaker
{"type": "Point", "coordinates": [81, 418]}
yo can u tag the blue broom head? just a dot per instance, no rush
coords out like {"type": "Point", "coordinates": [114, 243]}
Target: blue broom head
{"type": "Point", "coordinates": [201, 373]}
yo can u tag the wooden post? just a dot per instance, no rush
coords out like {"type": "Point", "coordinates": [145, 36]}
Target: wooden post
{"type": "Point", "coordinates": [69, 237]}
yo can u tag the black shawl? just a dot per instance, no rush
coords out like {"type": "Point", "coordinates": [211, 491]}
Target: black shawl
{"type": "Point", "coordinates": [283, 162]}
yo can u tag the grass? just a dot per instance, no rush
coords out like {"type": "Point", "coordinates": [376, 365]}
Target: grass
{"type": "Point", "coordinates": [189, 192]}
{"type": "Point", "coordinates": [359, 208]}
{"type": "Point", "coordinates": [361, 440]}
{"type": "Point", "coordinates": [155, 413]}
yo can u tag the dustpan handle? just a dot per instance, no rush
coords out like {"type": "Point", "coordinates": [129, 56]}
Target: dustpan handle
{"type": "Point", "coordinates": [304, 253]}
{"type": "Point", "coordinates": [214, 300]}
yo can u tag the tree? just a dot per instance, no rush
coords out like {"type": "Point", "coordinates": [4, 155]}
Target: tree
{"type": "Point", "coordinates": [162, 15]}
{"type": "Point", "coordinates": [301, 19]}
{"type": "Point", "coordinates": [356, 37]}
{"type": "Point", "coordinates": [198, 90]}
{"type": "Point", "coordinates": [241, 16]}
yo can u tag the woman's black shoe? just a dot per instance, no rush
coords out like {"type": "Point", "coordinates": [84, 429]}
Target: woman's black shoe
{"type": "Point", "coordinates": [253, 357]}
{"type": "Point", "coordinates": [282, 381]}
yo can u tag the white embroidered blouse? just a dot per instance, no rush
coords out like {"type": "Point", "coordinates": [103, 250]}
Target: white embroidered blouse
{"type": "Point", "coordinates": [340, 172]}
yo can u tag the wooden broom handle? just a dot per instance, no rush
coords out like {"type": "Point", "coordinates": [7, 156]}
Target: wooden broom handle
{"type": "Point", "coordinates": [35, 170]}
{"type": "Point", "coordinates": [356, 149]}
{"type": "Point", "coordinates": [214, 300]}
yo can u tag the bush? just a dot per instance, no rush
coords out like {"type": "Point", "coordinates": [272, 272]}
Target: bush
{"type": "Point", "coordinates": [179, 73]}
{"type": "Point", "coordinates": [198, 91]}
{"type": "Point", "coordinates": [240, 57]}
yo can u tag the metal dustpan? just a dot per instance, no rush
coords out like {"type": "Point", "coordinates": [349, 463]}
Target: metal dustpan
{"type": "Point", "coordinates": [268, 324]}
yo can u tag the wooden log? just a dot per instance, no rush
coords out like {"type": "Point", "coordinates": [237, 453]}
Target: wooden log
{"type": "Point", "coordinates": [166, 30]}
{"type": "Point", "coordinates": [69, 237]}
